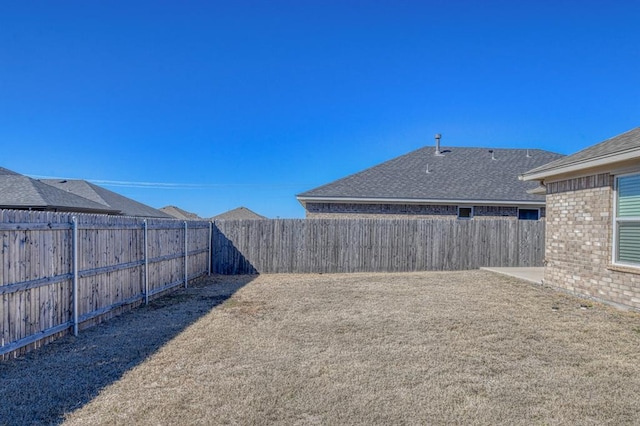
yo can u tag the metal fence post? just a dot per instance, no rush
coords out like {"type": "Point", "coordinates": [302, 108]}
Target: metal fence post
{"type": "Point", "coordinates": [74, 221]}
{"type": "Point", "coordinates": [146, 263]}
{"type": "Point", "coordinates": [186, 256]}
{"type": "Point", "coordinates": [210, 244]}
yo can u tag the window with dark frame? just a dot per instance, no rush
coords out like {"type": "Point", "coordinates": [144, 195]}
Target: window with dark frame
{"type": "Point", "coordinates": [627, 220]}
{"type": "Point", "coordinates": [465, 212]}
{"type": "Point", "coordinates": [528, 214]}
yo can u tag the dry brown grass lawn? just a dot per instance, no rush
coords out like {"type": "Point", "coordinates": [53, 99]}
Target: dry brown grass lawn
{"type": "Point", "coordinates": [432, 348]}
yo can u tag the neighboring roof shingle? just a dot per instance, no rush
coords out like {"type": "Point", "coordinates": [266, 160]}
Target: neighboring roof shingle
{"type": "Point", "coordinates": [625, 142]}
{"type": "Point", "coordinates": [18, 191]}
{"type": "Point", "coordinates": [98, 194]}
{"type": "Point", "coordinates": [4, 171]}
{"type": "Point", "coordinates": [459, 174]}
{"type": "Point", "coordinates": [178, 213]}
{"type": "Point", "coordinates": [239, 213]}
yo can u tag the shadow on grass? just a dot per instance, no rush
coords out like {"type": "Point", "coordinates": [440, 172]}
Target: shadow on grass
{"type": "Point", "coordinates": [44, 385]}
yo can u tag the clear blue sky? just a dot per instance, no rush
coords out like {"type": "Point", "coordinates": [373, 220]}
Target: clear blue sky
{"type": "Point", "coordinates": [251, 102]}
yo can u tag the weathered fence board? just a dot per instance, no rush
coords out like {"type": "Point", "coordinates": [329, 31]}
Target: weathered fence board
{"type": "Point", "coordinates": [37, 269]}
{"type": "Point", "coordinates": [373, 245]}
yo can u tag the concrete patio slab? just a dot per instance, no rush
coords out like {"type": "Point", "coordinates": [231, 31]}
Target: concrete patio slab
{"type": "Point", "coordinates": [533, 275]}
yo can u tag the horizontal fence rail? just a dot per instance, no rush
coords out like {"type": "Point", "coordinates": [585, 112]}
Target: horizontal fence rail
{"type": "Point", "coordinates": [373, 245]}
{"type": "Point", "coordinates": [48, 289]}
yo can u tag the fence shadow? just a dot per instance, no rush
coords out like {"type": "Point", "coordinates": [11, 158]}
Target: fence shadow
{"type": "Point", "coordinates": [44, 385]}
{"type": "Point", "coordinates": [227, 258]}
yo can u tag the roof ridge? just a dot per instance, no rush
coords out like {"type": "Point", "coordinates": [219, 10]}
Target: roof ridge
{"type": "Point", "coordinates": [51, 182]}
{"type": "Point", "coordinates": [462, 173]}
{"type": "Point", "coordinates": [7, 172]}
{"type": "Point", "coordinates": [93, 186]}
{"type": "Point", "coordinates": [37, 188]}
{"type": "Point", "coordinates": [146, 209]}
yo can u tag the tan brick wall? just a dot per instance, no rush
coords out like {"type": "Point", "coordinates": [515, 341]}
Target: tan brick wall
{"type": "Point", "coordinates": [579, 243]}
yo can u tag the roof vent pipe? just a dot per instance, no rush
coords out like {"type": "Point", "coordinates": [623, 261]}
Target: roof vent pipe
{"type": "Point", "coordinates": [438, 136]}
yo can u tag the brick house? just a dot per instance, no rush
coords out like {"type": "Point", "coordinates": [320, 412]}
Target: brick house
{"type": "Point", "coordinates": [593, 221]}
{"type": "Point", "coordinates": [463, 183]}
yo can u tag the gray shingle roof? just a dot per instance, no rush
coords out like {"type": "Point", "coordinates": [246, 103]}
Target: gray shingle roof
{"type": "Point", "coordinates": [4, 171]}
{"type": "Point", "coordinates": [460, 174]}
{"type": "Point", "coordinates": [625, 142]}
{"type": "Point", "coordinates": [178, 213]}
{"type": "Point", "coordinates": [239, 213]}
{"type": "Point", "coordinates": [103, 196]}
{"type": "Point", "coordinates": [18, 191]}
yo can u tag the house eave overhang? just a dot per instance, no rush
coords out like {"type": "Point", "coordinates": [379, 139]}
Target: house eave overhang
{"type": "Point", "coordinates": [374, 200]}
{"type": "Point", "coordinates": [540, 190]}
{"type": "Point", "coordinates": [578, 166]}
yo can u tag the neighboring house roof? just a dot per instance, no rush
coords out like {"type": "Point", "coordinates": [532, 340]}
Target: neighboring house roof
{"type": "Point", "coordinates": [4, 171]}
{"type": "Point", "coordinates": [623, 147]}
{"type": "Point", "coordinates": [239, 213]}
{"type": "Point", "coordinates": [178, 213]}
{"type": "Point", "coordinates": [109, 199]}
{"type": "Point", "coordinates": [22, 192]}
{"type": "Point", "coordinates": [459, 175]}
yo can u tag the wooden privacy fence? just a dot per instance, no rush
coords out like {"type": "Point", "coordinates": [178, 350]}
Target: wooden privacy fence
{"type": "Point", "coordinates": [373, 245]}
{"type": "Point", "coordinates": [63, 270]}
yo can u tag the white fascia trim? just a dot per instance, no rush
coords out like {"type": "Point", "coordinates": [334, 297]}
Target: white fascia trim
{"type": "Point", "coordinates": [600, 161]}
{"type": "Point", "coordinates": [419, 201]}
